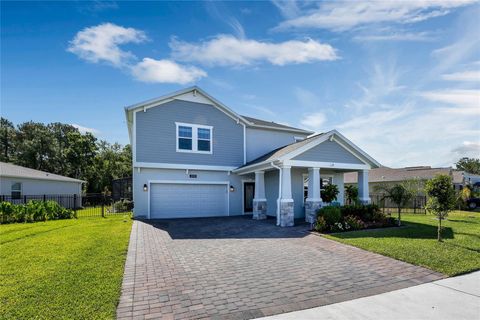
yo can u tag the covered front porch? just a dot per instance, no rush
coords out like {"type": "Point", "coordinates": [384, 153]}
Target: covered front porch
{"type": "Point", "coordinates": [289, 181]}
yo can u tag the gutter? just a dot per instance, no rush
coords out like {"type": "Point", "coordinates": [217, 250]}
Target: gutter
{"type": "Point", "coordinates": [279, 190]}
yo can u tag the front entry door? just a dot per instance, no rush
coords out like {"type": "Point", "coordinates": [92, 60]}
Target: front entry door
{"type": "Point", "coordinates": [248, 194]}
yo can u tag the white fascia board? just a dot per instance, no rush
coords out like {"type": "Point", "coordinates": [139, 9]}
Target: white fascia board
{"type": "Point", "coordinates": [154, 165]}
{"type": "Point", "coordinates": [293, 130]}
{"type": "Point", "coordinates": [187, 182]}
{"type": "Point", "coordinates": [254, 167]}
{"type": "Point", "coordinates": [327, 165]}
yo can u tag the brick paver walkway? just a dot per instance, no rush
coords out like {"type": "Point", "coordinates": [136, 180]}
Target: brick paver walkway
{"type": "Point", "coordinates": [238, 268]}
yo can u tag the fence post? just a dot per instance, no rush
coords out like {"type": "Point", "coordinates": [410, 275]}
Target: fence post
{"type": "Point", "coordinates": [415, 205]}
{"type": "Point", "coordinates": [24, 199]}
{"type": "Point", "coordinates": [75, 204]}
{"type": "Point", "coordinates": [103, 206]}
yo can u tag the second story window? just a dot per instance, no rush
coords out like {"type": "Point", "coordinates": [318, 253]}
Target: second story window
{"type": "Point", "coordinates": [194, 138]}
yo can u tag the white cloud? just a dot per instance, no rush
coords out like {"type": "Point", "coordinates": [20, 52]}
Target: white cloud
{"type": "Point", "coordinates": [314, 121]}
{"type": "Point", "coordinates": [463, 101]}
{"type": "Point", "coordinates": [84, 130]}
{"type": "Point", "coordinates": [345, 15]}
{"type": "Point", "coordinates": [227, 50]}
{"type": "Point", "coordinates": [166, 71]}
{"type": "Point", "coordinates": [397, 36]}
{"type": "Point", "coordinates": [101, 43]}
{"type": "Point", "coordinates": [289, 9]}
{"type": "Point", "coordinates": [463, 76]}
{"type": "Point", "coordinates": [468, 148]}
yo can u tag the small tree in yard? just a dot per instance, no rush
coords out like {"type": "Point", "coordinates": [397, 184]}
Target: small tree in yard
{"type": "Point", "coordinates": [399, 195]}
{"type": "Point", "coordinates": [441, 199]}
{"type": "Point", "coordinates": [329, 193]}
{"type": "Point", "coordinates": [352, 194]}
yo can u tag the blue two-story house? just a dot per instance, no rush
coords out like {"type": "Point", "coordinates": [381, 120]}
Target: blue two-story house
{"type": "Point", "coordinates": [195, 157]}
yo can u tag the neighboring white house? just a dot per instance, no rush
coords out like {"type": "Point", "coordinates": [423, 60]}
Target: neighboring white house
{"type": "Point", "coordinates": [16, 182]}
{"type": "Point", "coordinates": [195, 157]}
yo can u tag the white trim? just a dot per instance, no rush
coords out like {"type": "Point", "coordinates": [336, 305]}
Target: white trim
{"type": "Point", "coordinates": [326, 165]}
{"type": "Point", "coordinates": [154, 165]}
{"type": "Point", "coordinates": [194, 137]}
{"type": "Point", "coordinates": [243, 194]}
{"type": "Point", "coordinates": [244, 143]}
{"type": "Point", "coordinates": [226, 183]}
{"type": "Point", "coordinates": [134, 138]}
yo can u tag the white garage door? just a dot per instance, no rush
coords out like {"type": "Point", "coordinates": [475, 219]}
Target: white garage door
{"type": "Point", "coordinates": [172, 200]}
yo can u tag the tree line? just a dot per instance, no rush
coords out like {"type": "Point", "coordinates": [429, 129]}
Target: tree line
{"type": "Point", "coordinates": [62, 149]}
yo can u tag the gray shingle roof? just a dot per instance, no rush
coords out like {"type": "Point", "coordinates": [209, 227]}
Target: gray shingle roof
{"type": "Point", "coordinates": [11, 170]}
{"type": "Point", "coordinates": [385, 174]}
{"type": "Point", "coordinates": [277, 153]}
{"type": "Point", "coordinates": [272, 124]}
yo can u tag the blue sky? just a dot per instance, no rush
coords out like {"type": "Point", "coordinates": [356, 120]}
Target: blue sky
{"type": "Point", "coordinates": [400, 79]}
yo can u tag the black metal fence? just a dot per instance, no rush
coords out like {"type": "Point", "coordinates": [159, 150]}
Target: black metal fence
{"type": "Point", "coordinates": [415, 205]}
{"type": "Point", "coordinates": [87, 205]}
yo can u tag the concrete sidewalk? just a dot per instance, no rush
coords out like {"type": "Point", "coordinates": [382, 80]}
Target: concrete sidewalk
{"type": "Point", "coordinates": [453, 299]}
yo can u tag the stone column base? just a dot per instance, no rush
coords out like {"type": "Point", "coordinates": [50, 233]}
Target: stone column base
{"type": "Point", "coordinates": [311, 208]}
{"type": "Point", "coordinates": [286, 213]}
{"type": "Point", "coordinates": [365, 200]}
{"type": "Point", "coordinates": [259, 209]}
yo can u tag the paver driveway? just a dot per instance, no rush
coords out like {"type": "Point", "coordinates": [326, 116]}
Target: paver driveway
{"type": "Point", "coordinates": [238, 268]}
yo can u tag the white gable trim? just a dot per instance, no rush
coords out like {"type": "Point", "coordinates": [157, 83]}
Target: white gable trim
{"type": "Point", "coordinates": [333, 135]}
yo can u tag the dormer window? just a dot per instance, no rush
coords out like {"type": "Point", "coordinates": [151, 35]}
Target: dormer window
{"type": "Point", "coordinates": [194, 138]}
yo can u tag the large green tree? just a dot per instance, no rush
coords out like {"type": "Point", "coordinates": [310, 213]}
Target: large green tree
{"type": "Point", "coordinates": [470, 165]}
{"type": "Point", "coordinates": [7, 140]}
{"type": "Point", "coordinates": [60, 148]}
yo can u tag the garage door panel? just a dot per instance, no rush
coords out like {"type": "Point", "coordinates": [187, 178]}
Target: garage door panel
{"type": "Point", "coordinates": [187, 200]}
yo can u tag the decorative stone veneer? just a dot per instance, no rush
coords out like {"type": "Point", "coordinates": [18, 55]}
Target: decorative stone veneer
{"type": "Point", "coordinates": [259, 209]}
{"type": "Point", "coordinates": [311, 208]}
{"type": "Point", "coordinates": [286, 213]}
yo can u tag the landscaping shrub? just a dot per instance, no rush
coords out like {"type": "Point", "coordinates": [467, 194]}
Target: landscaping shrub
{"type": "Point", "coordinates": [32, 211]}
{"type": "Point", "coordinates": [331, 215]}
{"type": "Point", "coordinates": [352, 217]}
{"type": "Point", "coordinates": [329, 193]}
{"type": "Point", "coordinates": [354, 223]}
{"type": "Point", "coordinates": [123, 205]}
{"type": "Point", "coordinates": [320, 225]}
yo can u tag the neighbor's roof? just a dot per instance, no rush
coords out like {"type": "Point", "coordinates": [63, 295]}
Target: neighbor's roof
{"type": "Point", "coordinates": [385, 174]}
{"type": "Point", "coordinates": [14, 171]}
{"type": "Point", "coordinates": [249, 121]}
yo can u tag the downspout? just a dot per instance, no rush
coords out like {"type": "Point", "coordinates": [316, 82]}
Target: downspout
{"type": "Point", "coordinates": [279, 190]}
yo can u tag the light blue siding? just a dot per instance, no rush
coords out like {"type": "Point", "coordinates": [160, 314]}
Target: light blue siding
{"type": "Point", "coordinates": [329, 151]}
{"type": "Point", "coordinates": [156, 134]}
{"type": "Point", "coordinates": [261, 141]}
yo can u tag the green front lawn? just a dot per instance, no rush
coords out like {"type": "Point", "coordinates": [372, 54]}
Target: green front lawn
{"type": "Point", "coordinates": [417, 242]}
{"type": "Point", "coordinates": [62, 269]}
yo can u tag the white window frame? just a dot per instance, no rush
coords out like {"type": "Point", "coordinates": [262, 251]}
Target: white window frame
{"type": "Point", "coordinates": [195, 128]}
{"type": "Point", "coordinates": [12, 191]}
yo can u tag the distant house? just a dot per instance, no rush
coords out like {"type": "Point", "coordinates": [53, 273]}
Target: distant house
{"type": "Point", "coordinates": [385, 175]}
{"type": "Point", "coordinates": [18, 184]}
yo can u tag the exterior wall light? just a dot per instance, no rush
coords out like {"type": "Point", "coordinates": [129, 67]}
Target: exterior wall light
{"type": "Point", "coordinates": [232, 189]}
{"type": "Point", "coordinates": [145, 187]}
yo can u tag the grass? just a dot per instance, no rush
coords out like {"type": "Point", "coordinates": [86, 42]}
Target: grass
{"type": "Point", "coordinates": [417, 242]}
{"type": "Point", "coordinates": [63, 269]}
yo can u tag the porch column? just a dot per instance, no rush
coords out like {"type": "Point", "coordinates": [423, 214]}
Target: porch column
{"type": "Point", "coordinates": [314, 200]}
{"type": "Point", "coordinates": [259, 200]}
{"type": "Point", "coordinates": [285, 201]}
{"type": "Point", "coordinates": [363, 192]}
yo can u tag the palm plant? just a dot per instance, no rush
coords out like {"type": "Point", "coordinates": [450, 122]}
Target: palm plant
{"type": "Point", "coordinates": [399, 195]}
